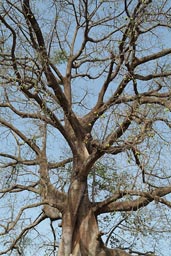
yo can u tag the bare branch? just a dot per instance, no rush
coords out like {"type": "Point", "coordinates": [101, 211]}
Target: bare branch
{"type": "Point", "coordinates": [132, 205]}
{"type": "Point", "coordinates": [29, 142]}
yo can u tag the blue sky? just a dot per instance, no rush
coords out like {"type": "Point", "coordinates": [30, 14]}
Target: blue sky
{"type": "Point", "coordinates": [54, 140]}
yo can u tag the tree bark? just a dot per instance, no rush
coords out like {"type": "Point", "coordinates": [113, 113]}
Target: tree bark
{"type": "Point", "coordinates": [80, 232]}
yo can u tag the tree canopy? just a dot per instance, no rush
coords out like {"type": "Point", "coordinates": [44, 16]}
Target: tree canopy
{"type": "Point", "coordinates": [85, 101]}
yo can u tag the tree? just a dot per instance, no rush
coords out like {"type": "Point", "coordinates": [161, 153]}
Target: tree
{"type": "Point", "coordinates": [85, 122]}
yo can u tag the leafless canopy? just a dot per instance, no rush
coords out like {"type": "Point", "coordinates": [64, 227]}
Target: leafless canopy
{"type": "Point", "coordinates": [85, 101]}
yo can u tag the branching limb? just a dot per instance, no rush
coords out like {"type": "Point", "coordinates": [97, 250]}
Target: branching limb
{"type": "Point", "coordinates": [24, 231]}
{"type": "Point", "coordinates": [29, 142]}
{"type": "Point", "coordinates": [18, 188]}
{"type": "Point", "coordinates": [144, 198]}
{"type": "Point", "coordinates": [151, 57]}
{"type": "Point", "coordinates": [14, 223]}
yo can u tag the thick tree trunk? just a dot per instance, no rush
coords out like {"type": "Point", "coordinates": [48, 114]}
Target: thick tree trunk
{"type": "Point", "coordinates": [80, 233]}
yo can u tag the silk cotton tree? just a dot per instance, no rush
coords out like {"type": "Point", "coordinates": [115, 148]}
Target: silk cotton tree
{"type": "Point", "coordinates": [85, 124]}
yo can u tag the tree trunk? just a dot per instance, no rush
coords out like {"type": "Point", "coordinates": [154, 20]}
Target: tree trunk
{"type": "Point", "coordinates": [80, 233]}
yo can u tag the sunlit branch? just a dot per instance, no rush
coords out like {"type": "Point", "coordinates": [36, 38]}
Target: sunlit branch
{"type": "Point", "coordinates": [52, 82]}
{"type": "Point", "coordinates": [152, 57]}
{"type": "Point", "coordinates": [151, 76]}
{"type": "Point", "coordinates": [60, 164]}
{"type": "Point", "coordinates": [144, 198]}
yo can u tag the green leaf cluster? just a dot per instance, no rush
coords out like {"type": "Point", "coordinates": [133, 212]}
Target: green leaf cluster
{"type": "Point", "coordinates": [59, 57]}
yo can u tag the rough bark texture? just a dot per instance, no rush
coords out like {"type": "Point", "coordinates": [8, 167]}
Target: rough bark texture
{"type": "Point", "coordinates": [81, 236]}
{"type": "Point", "coordinates": [80, 232]}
